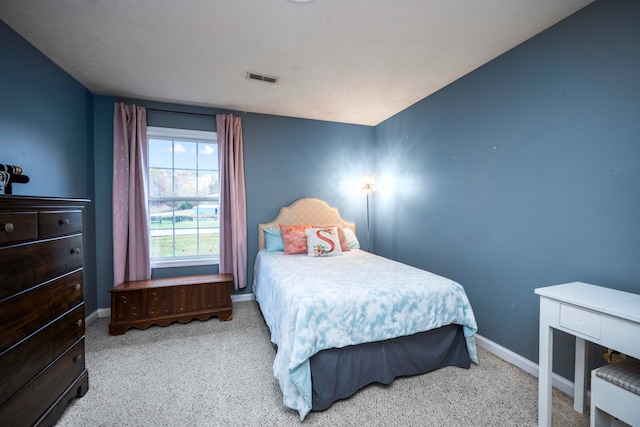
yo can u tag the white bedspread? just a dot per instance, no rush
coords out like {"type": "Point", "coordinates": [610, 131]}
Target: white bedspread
{"type": "Point", "coordinates": [314, 303]}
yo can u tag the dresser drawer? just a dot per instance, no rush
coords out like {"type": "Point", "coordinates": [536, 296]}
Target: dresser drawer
{"type": "Point", "coordinates": [22, 362]}
{"type": "Point", "coordinates": [25, 313]}
{"type": "Point", "coordinates": [23, 266]}
{"type": "Point", "coordinates": [18, 227]}
{"type": "Point", "coordinates": [59, 223]}
{"type": "Point", "coordinates": [580, 320]}
{"type": "Point", "coordinates": [30, 403]}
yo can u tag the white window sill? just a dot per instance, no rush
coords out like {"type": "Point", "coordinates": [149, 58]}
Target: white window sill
{"type": "Point", "coordinates": [184, 262]}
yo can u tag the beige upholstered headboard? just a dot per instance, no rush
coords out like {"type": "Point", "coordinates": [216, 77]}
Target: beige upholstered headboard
{"type": "Point", "coordinates": [304, 211]}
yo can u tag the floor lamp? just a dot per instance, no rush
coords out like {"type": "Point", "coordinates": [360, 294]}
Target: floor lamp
{"type": "Point", "coordinates": [369, 187]}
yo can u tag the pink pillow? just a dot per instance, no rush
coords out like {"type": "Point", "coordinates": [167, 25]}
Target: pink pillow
{"type": "Point", "coordinates": [344, 243]}
{"type": "Point", "coordinates": [294, 238]}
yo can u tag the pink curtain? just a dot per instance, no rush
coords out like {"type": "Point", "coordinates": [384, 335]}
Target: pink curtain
{"type": "Point", "coordinates": [131, 244]}
{"type": "Point", "coordinates": [233, 206]}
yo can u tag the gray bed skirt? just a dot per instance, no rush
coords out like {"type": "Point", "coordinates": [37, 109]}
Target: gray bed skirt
{"type": "Point", "coordinates": [338, 373]}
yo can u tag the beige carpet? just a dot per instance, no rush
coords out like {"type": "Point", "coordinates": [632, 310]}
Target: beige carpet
{"type": "Point", "coordinates": [219, 374]}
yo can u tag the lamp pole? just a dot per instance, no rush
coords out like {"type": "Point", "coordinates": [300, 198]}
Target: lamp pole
{"type": "Point", "coordinates": [368, 229]}
{"type": "Point", "coordinates": [369, 187]}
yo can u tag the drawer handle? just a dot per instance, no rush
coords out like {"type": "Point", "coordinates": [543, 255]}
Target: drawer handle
{"type": "Point", "coordinates": [8, 227]}
{"type": "Point", "coordinates": [64, 221]}
{"type": "Point", "coordinates": [77, 358]}
{"type": "Point", "coordinates": [75, 251]}
{"type": "Point", "coordinates": [78, 286]}
{"type": "Point", "coordinates": [79, 322]}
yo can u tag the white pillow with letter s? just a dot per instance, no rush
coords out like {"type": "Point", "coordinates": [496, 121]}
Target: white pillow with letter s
{"type": "Point", "coordinates": [323, 242]}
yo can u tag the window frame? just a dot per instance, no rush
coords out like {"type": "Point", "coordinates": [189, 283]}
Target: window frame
{"type": "Point", "coordinates": [158, 132]}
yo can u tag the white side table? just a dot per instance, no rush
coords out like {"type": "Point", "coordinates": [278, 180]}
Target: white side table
{"type": "Point", "coordinates": [600, 315]}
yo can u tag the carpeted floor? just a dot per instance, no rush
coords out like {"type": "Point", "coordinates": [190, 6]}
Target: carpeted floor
{"type": "Point", "coordinates": [219, 374]}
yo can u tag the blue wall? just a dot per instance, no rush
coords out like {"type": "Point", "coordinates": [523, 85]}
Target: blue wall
{"type": "Point", "coordinates": [524, 173]}
{"type": "Point", "coordinates": [103, 171]}
{"type": "Point", "coordinates": [45, 128]}
{"type": "Point", "coordinates": [44, 121]}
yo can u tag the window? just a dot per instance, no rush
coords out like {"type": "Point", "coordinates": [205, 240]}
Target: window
{"type": "Point", "coordinates": [183, 197]}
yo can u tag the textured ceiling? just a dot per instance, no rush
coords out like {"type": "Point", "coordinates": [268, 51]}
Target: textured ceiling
{"type": "Point", "coordinates": [351, 61]}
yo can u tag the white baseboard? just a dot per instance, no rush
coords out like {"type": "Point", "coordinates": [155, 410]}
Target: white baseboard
{"type": "Point", "coordinates": [104, 312]}
{"type": "Point", "coordinates": [243, 297]}
{"type": "Point", "coordinates": [526, 365]}
{"type": "Point", "coordinates": [99, 313]}
{"type": "Point", "coordinates": [91, 318]}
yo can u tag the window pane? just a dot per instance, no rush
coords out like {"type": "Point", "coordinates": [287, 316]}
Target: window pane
{"type": "Point", "coordinates": [207, 214]}
{"type": "Point", "coordinates": [187, 243]}
{"type": "Point", "coordinates": [160, 153]}
{"type": "Point", "coordinates": [161, 215]}
{"type": "Point", "coordinates": [160, 183]}
{"type": "Point", "coordinates": [207, 184]}
{"type": "Point", "coordinates": [185, 183]}
{"type": "Point", "coordinates": [207, 156]}
{"type": "Point", "coordinates": [185, 155]}
{"type": "Point", "coordinates": [209, 240]}
{"type": "Point", "coordinates": [161, 207]}
{"type": "Point", "coordinates": [162, 246]}
{"type": "Point", "coordinates": [184, 217]}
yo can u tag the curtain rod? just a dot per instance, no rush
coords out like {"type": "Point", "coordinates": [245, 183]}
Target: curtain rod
{"type": "Point", "coordinates": [159, 110]}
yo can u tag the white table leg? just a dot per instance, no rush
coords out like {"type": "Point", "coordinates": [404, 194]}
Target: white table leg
{"type": "Point", "coordinates": [545, 366]}
{"type": "Point", "coordinates": [579, 389]}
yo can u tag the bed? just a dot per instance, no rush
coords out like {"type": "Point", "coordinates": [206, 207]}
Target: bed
{"type": "Point", "coordinates": [342, 322]}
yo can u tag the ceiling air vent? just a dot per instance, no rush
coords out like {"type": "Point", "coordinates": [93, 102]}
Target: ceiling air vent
{"type": "Point", "coordinates": [267, 79]}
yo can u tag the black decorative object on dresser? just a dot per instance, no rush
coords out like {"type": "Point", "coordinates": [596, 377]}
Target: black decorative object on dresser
{"type": "Point", "coordinates": [42, 364]}
{"type": "Point", "coordinates": [10, 174]}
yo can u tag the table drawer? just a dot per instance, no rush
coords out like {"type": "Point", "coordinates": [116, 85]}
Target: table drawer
{"type": "Point", "coordinates": [26, 265]}
{"type": "Point", "coordinates": [18, 227]}
{"type": "Point", "coordinates": [625, 336]}
{"type": "Point", "coordinates": [580, 320]}
{"type": "Point", "coordinates": [24, 361]}
{"type": "Point", "coordinates": [29, 404]}
{"type": "Point", "coordinates": [59, 223]}
{"type": "Point", "coordinates": [25, 313]}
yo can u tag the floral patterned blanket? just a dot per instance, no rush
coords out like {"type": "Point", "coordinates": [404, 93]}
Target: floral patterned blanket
{"type": "Point", "coordinates": [314, 303]}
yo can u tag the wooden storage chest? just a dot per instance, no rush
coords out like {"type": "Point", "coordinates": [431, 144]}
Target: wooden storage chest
{"type": "Point", "coordinates": [142, 303]}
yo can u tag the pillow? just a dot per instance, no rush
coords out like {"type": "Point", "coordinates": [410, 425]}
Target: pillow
{"type": "Point", "coordinates": [343, 239]}
{"type": "Point", "coordinates": [273, 240]}
{"type": "Point", "coordinates": [323, 241]}
{"type": "Point", "coordinates": [351, 238]}
{"type": "Point", "coordinates": [294, 239]}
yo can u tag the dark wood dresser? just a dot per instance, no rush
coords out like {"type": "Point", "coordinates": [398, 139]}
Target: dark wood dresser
{"type": "Point", "coordinates": [42, 364]}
